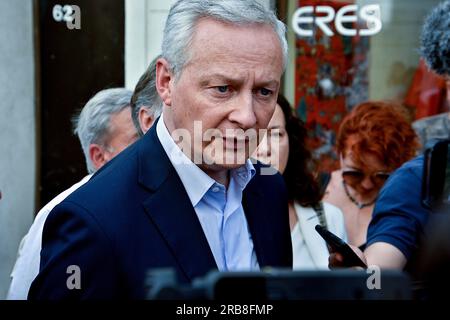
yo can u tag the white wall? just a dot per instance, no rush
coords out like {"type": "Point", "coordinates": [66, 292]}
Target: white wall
{"type": "Point", "coordinates": [144, 25]}
{"type": "Point", "coordinates": [17, 130]}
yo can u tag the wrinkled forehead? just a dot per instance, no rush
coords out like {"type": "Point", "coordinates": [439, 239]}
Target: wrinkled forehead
{"type": "Point", "coordinates": [220, 38]}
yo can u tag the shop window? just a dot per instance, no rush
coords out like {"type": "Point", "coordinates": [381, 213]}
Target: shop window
{"type": "Point", "coordinates": [345, 52]}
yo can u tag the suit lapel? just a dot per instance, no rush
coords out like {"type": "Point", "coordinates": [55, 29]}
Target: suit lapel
{"type": "Point", "coordinates": [171, 211]}
{"type": "Point", "coordinates": [262, 235]}
{"type": "Point", "coordinates": [308, 220]}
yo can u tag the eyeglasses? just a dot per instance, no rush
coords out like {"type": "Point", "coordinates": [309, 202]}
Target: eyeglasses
{"type": "Point", "coordinates": [355, 177]}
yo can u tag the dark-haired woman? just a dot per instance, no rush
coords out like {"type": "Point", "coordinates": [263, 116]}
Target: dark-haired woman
{"type": "Point", "coordinates": [284, 148]}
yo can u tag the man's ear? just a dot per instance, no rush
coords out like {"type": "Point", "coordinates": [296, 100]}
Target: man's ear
{"type": "Point", "coordinates": [97, 155]}
{"type": "Point", "coordinates": [164, 79]}
{"type": "Point", "coordinates": [145, 119]}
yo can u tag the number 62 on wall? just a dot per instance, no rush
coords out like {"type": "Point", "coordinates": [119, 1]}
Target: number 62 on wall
{"type": "Point", "coordinates": [71, 14]}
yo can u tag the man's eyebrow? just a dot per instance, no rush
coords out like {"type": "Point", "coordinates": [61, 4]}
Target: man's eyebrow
{"type": "Point", "coordinates": [218, 76]}
{"type": "Point", "coordinates": [271, 83]}
{"type": "Point", "coordinates": [230, 79]}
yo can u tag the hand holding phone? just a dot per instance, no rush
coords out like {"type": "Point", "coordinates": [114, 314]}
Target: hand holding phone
{"type": "Point", "coordinates": [351, 259]}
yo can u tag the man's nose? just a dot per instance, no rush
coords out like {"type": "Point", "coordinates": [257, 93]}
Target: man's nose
{"type": "Point", "coordinates": [243, 114]}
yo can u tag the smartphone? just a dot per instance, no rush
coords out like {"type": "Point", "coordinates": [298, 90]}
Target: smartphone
{"type": "Point", "coordinates": [351, 259]}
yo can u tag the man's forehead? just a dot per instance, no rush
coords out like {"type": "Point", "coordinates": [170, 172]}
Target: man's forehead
{"type": "Point", "coordinates": [219, 49]}
{"type": "Point", "coordinates": [213, 34]}
{"type": "Point", "coordinates": [235, 68]}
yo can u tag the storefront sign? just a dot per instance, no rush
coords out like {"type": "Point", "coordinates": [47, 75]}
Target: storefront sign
{"type": "Point", "coordinates": [346, 16]}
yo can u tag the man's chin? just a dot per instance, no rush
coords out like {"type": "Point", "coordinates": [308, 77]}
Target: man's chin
{"type": "Point", "coordinates": [224, 164]}
{"type": "Point", "coordinates": [232, 165]}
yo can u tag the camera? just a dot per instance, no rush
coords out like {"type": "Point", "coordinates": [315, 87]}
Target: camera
{"type": "Point", "coordinates": [282, 284]}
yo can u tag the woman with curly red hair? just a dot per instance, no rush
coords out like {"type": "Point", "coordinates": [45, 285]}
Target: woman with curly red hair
{"type": "Point", "coordinates": [373, 140]}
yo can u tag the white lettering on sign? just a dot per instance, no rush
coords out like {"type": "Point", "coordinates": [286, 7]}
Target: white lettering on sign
{"type": "Point", "coordinates": [304, 17]}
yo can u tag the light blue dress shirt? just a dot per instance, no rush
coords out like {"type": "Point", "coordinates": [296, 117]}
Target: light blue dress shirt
{"type": "Point", "coordinates": [219, 211]}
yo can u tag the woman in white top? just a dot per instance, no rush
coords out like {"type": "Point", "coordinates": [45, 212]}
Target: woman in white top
{"type": "Point", "coordinates": [285, 149]}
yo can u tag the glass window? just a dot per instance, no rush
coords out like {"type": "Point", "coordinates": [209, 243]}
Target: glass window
{"type": "Point", "coordinates": [345, 52]}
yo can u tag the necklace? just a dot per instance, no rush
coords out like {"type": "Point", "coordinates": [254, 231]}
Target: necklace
{"type": "Point", "coordinates": [358, 204]}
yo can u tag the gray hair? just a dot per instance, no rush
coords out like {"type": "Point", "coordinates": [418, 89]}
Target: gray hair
{"type": "Point", "coordinates": [435, 39]}
{"type": "Point", "coordinates": [93, 124]}
{"type": "Point", "coordinates": [146, 96]}
{"type": "Point", "coordinates": [184, 15]}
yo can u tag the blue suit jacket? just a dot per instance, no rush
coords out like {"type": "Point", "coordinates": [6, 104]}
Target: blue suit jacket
{"type": "Point", "coordinates": [134, 215]}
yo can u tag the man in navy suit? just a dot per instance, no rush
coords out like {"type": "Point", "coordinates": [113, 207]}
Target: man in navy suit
{"type": "Point", "coordinates": [185, 196]}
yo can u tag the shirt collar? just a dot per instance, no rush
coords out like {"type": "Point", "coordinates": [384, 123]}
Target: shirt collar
{"type": "Point", "coordinates": [195, 181]}
{"type": "Point", "coordinates": [244, 174]}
